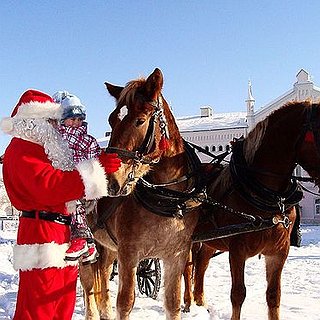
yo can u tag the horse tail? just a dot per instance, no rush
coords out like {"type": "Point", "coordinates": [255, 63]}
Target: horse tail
{"type": "Point", "coordinates": [195, 250]}
{"type": "Point", "coordinates": [97, 275]}
{"type": "Point", "coordinates": [296, 236]}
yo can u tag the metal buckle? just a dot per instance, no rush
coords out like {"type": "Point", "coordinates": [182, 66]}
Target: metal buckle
{"type": "Point", "coordinates": [285, 222]}
{"type": "Point", "coordinates": [282, 205]}
{"type": "Point", "coordinates": [179, 213]}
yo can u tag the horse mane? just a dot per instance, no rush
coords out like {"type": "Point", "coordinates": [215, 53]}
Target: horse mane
{"type": "Point", "coordinates": [129, 91]}
{"type": "Point", "coordinates": [254, 139]}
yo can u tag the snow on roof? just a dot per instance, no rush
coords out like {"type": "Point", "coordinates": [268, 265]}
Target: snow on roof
{"type": "Point", "coordinates": [197, 123]}
{"type": "Point", "coordinates": [214, 122]}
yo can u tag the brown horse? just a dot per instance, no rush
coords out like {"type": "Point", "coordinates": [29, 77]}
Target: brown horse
{"type": "Point", "coordinates": [157, 220]}
{"type": "Point", "coordinates": [256, 189]}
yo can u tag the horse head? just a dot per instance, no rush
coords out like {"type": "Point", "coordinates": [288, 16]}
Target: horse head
{"type": "Point", "coordinates": [262, 164]}
{"type": "Point", "coordinates": [141, 124]}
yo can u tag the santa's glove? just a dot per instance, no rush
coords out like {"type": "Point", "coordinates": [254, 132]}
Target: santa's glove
{"type": "Point", "coordinates": [110, 162]}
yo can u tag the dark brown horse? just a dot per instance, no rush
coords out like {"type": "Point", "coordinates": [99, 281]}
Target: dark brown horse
{"type": "Point", "coordinates": [256, 190]}
{"type": "Point", "coordinates": [159, 217]}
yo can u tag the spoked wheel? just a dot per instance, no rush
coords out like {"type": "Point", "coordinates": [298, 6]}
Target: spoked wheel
{"type": "Point", "coordinates": [114, 270]}
{"type": "Point", "coordinates": [149, 277]}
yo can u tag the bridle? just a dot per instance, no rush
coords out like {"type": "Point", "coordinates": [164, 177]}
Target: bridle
{"type": "Point", "coordinates": [310, 134]}
{"type": "Point", "coordinates": [312, 126]}
{"type": "Point", "coordinates": [141, 154]}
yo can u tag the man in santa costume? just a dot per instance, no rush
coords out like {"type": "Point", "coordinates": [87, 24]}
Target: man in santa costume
{"type": "Point", "coordinates": [40, 177]}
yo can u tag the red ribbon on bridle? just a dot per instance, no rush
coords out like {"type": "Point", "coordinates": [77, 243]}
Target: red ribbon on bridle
{"type": "Point", "coordinates": [164, 143]}
{"type": "Point", "coordinates": [309, 136]}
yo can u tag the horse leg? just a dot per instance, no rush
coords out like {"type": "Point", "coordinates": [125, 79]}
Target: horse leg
{"type": "Point", "coordinates": [188, 279]}
{"type": "Point", "coordinates": [127, 269]}
{"type": "Point", "coordinates": [202, 260]}
{"type": "Point", "coordinates": [95, 282]}
{"type": "Point", "coordinates": [172, 284]}
{"type": "Point", "coordinates": [106, 267]}
{"type": "Point", "coordinates": [238, 289]}
{"type": "Point", "coordinates": [274, 266]}
{"type": "Point", "coordinates": [87, 282]}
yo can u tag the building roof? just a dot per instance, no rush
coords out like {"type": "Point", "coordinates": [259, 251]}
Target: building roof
{"type": "Point", "coordinates": [215, 122]}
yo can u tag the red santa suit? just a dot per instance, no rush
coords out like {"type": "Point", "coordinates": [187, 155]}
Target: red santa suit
{"type": "Point", "coordinates": [40, 178]}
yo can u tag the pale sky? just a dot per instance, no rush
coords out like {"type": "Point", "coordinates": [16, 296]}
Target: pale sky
{"type": "Point", "coordinates": [207, 50]}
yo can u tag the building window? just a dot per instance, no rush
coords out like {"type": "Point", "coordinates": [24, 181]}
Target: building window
{"type": "Point", "coordinates": [317, 206]}
{"type": "Point", "coordinates": [213, 148]}
{"type": "Point", "coordinates": [220, 148]}
{"type": "Point", "coordinates": [227, 147]}
{"type": "Point", "coordinates": [206, 148]}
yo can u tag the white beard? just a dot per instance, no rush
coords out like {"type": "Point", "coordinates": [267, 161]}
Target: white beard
{"type": "Point", "coordinates": [41, 132]}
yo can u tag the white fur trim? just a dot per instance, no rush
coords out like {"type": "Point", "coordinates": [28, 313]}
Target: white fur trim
{"type": "Point", "coordinates": [40, 256]}
{"type": "Point", "coordinates": [6, 125]}
{"type": "Point", "coordinates": [42, 110]}
{"type": "Point", "coordinates": [32, 110]}
{"type": "Point", "coordinates": [94, 178]}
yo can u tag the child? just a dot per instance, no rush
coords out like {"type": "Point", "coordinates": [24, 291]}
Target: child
{"type": "Point", "coordinates": [73, 129]}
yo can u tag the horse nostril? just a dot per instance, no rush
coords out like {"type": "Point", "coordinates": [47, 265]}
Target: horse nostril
{"type": "Point", "coordinates": [114, 186]}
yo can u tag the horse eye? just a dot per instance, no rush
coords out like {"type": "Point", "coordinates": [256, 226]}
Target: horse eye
{"type": "Point", "coordinates": [139, 122]}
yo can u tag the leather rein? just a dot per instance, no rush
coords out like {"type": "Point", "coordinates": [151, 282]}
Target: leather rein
{"type": "Point", "coordinates": [166, 202]}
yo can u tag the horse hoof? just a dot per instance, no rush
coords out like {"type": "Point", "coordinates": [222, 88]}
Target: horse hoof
{"type": "Point", "coordinates": [186, 309]}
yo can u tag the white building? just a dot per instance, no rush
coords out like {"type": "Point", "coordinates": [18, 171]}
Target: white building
{"type": "Point", "coordinates": [214, 131]}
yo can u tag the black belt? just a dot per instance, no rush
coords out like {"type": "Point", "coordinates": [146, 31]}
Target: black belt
{"type": "Point", "coordinates": [49, 216]}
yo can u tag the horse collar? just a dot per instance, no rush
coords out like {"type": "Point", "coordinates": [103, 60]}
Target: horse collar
{"type": "Point", "coordinates": [256, 193]}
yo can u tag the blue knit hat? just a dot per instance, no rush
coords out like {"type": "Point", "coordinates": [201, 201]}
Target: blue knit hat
{"type": "Point", "coordinates": [71, 104]}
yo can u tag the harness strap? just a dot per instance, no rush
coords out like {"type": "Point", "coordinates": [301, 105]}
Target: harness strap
{"type": "Point", "coordinates": [48, 216]}
{"type": "Point", "coordinates": [254, 192]}
{"type": "Point", "coordinates": [149, 137]}
{"type": "Point", "coordinates": [170, 202]}
{"type": "Point", "coordinates": [231, 230]}
{"type": "Point", "coordinates": [215, 158]}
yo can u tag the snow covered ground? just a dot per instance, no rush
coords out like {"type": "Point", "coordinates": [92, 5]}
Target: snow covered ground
{"type": "Point", "coordinates": [300, 286]}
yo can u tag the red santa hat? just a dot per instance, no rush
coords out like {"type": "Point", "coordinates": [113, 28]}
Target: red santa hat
{"type": "Point", "coordinates": [32, 104]}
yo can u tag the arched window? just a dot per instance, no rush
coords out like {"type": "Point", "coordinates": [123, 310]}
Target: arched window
{"type": "Point", "coordinates": [220, 148]}
{"type": "Point", "coordinates": [213, 148]}
{"type": "Point", "coordinates": [206, 148]}
{"type": "Point", "coordinates": [317, 206]}
{"type": "Point", "coordinates": [227, 147]}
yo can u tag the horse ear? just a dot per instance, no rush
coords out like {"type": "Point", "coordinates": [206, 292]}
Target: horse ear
{"type": "Point", "coordinates": [154, 84]}
{"type": "Point", "coordinates": [115, 91]}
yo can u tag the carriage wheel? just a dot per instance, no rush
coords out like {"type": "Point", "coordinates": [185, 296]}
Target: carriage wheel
{"type": "Point", "coordinates": [149, 277]}
{"type": "Point", "coordinates": [114, 270]}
